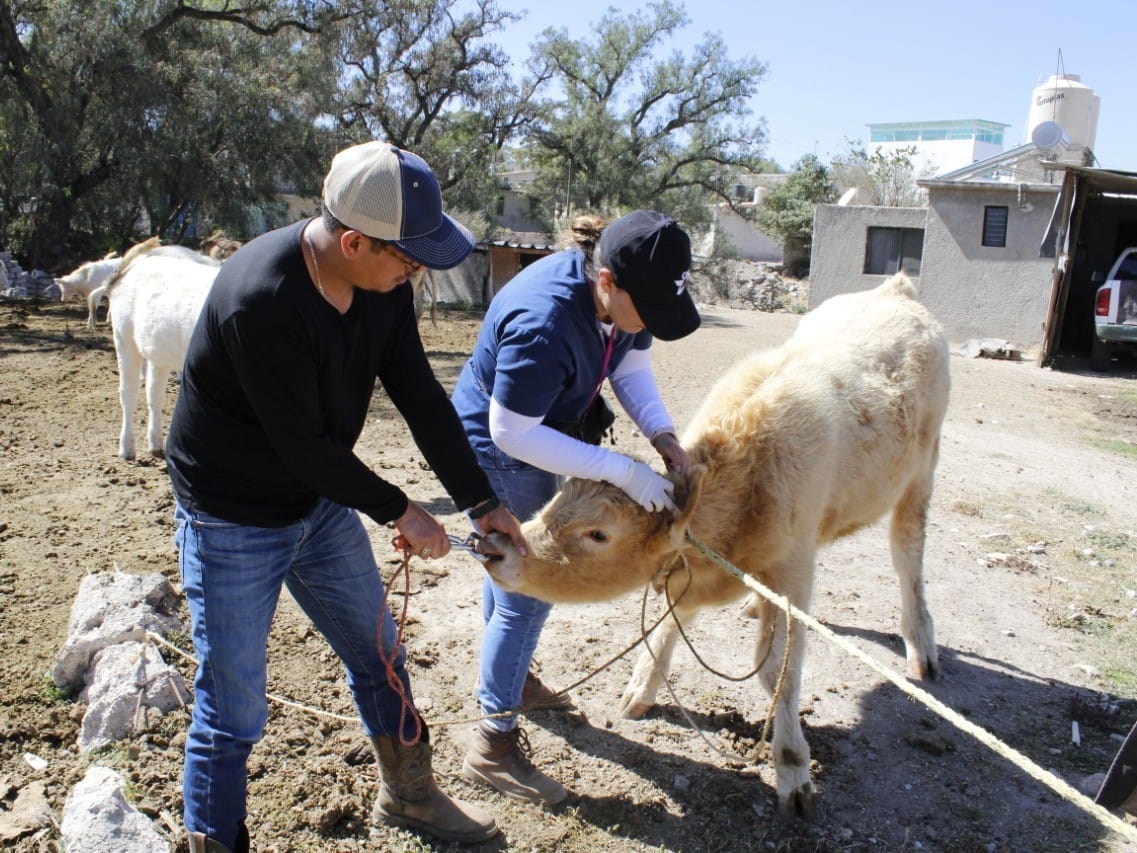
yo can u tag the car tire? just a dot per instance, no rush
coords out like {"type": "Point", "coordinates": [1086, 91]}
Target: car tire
{"type": "Point", "coordinates": [1101, 355]}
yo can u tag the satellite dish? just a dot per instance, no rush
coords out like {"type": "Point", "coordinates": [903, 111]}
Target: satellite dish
{"type": "Point", "coordinates": [1049, 136]}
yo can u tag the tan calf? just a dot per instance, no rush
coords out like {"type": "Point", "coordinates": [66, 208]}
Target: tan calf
{"type": "Point", "coordinates": [793, 448]}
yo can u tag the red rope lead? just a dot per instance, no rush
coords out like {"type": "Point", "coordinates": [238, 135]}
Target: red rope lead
{"type": "Point", "coordinates": [406, 705]}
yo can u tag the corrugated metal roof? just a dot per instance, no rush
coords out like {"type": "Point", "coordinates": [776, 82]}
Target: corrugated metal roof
{"type": "Point", "coordinates": [524, 240]}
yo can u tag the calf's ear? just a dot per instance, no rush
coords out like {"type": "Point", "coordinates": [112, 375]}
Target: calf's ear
{"type": "Point", "coordinates": [688, 489]}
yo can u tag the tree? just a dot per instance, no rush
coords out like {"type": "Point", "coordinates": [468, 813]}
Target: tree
{"type": "Point", "coordinates": [787, 210]}
{"type": "Point", "coordinates": [426, 77]}
{"type": "Point", "coordinates": [119, 107]}
{"type": "Point", "coordinates": [886, 180]}
{"type": "Point", "coordinates": [627, 129]}
{"type": "Point", "coordinates": [184, 114]}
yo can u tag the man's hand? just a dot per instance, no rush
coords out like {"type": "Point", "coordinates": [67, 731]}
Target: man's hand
{"type": "Point", "coordinates": [420, 534]}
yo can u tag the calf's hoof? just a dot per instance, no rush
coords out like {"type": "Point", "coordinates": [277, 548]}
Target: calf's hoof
{"type": "Point", "coordinates": [752, 607]}
{"type": "Point", "coordinates": [799, 803]}
{"type": "Point", "coordinates": [633, 709]}
{"type": "Point", "coordinates": [925, 669]}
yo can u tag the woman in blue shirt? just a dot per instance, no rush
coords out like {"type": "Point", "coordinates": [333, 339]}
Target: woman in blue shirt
{"type": "Point", "coordinates": [548, 341]}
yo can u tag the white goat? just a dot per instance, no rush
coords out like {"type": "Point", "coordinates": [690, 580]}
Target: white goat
{"type": "Point", "coordinates": [87, 281]}
{"type": "Point", "coordinates": [155, 299]}
{"type": "Point", "coordinates": [90, 279]}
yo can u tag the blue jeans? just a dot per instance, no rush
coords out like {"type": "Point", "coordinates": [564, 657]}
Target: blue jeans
{"type": "Point", "coordinates": [232, 575]}
{"type": "Point", "coordinates": [513, 622]}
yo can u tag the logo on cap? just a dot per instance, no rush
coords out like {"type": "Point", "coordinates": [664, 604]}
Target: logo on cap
{"type": "Point", "coordinates": [681, 282]}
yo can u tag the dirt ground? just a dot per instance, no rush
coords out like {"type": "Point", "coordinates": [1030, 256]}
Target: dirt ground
{"type": "Point", "coordinates": [1030, 572]}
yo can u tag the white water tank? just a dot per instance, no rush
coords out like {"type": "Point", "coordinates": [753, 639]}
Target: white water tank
{"type": "Point", "coordinates": [1071, 104]}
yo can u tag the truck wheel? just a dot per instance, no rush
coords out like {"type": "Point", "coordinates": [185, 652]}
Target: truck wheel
{"type": "Point", "coordinates": [1101, 355]}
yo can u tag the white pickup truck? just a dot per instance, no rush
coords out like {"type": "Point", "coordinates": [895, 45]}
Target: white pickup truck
{"type": "Point", "coordinates": [1115, 312]}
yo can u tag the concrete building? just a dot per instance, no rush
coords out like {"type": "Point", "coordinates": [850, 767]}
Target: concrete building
{"type": "Point", "coordinates": [940, 146]}
{"type": "Point", "coordinates": [974, 249]}
{"type": "Point", "coordinates": [512, 209]}
{"type": "Point", "coordinates": [733, 234]}
{"type": "Point", "coordinates": [1010, 247]}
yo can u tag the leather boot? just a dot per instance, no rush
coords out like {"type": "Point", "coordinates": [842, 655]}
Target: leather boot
{"type": "Point", "coordinates": [410, 798]}
{"type": "Point", "coordinates": [501, 760]}
{"type": "Point", "coordinates": [535, 695]}
{"type": "Point", "coordinates": [199, 843]}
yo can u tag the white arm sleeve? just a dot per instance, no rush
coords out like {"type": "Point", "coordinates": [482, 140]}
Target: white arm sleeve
{"type": "Point", "coordinates": [634, 384]}
{"type": "Point", "coordinates": [527, 439]}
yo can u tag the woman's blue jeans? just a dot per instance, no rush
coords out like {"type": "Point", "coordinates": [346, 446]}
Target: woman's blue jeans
{"type": "Point", "coordinates": [513, 622]}
{"type": "Point", "coordinates": [232, 575]}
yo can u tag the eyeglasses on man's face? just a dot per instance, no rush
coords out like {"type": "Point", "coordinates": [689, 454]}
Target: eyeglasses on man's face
{"type": "Point", "coordinates": [410, 267]}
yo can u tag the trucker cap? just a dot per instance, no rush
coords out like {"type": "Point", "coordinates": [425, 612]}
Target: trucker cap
{"type": "Point", "coordinates": [650, 255]}
{"type": "Point", "coordinates": [385, 192]}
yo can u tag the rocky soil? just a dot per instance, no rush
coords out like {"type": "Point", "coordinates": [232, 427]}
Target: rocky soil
{"type": "Point", "coordinates": [1030, 569]}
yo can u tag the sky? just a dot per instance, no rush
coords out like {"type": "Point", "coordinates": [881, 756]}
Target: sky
{"type": "Point", "coordinates": [835, 67]}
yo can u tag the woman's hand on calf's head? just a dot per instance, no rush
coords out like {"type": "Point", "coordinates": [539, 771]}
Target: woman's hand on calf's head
{"type": "Point", "coordinates": [647, 488]}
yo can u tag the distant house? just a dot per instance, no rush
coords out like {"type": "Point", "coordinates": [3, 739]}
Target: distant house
{"type": "Point", "coordinates": [940, 146]}
{"type": "Point", "coordinates": [732, 233]}
{"type": "Point", "coordinates": [1003, 250]}
{"type": "Point", "coordinates": [512, 209]}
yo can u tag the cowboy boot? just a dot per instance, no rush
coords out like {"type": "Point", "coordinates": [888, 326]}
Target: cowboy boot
{"type": "Point", "coordinates": [410, 798]}
{"type": "Point", "coordinates": [199, 843]}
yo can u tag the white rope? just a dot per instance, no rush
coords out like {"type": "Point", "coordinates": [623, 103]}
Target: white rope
{"type": "Point", "coordinates": [150, 635]}
{"type": "Point", "coordinates": [308, 709]}
{"type": "Point", "coordinates": [1059, 786]}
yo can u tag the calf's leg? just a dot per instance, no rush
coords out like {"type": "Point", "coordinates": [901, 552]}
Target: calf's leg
{"type": "Point", "coordinates": [906, 533]}
{"type": "Point", "coordinates": [653, 665]}
{"type": "Point", "coordinates": [796, 795]}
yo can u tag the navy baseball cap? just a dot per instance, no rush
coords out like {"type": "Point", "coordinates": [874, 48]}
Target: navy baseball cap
{"type": "Point", "coordinates": [650, 256]}
{"type": "Point", "coordinates": [384, 192]}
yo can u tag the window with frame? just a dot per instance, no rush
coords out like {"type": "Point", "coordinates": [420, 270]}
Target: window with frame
{"type": "Point", "coordinates": [892, 250]}
{"type": "Point", "coordinates": [995, 225]}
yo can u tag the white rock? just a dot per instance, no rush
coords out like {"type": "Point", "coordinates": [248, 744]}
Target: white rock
{"type": "Point", "coordinates": [112, 608]}
{"type": "Point", "coordinates": [98, 819]}
{"type": "Point", "coordinates": [124, 681]}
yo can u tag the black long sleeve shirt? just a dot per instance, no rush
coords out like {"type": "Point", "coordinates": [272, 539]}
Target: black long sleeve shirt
{"type": "Point", "coordinates": [276, 388]}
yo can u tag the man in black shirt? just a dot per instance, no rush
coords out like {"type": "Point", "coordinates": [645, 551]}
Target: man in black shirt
{"type": "Point", "coordinates": [275, 391]}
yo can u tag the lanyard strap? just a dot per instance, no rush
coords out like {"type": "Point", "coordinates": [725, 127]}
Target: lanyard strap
{"type": "Point", "coordinates": [603, 366]}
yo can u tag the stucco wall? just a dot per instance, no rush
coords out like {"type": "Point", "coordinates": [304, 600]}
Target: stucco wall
{"type": "Point", "coordinates": [975, 291]}
{"type": "Point", "coordinates": [981, 291]}
{"type": "Point", "coordinates": [745, 240]}
{"type": "Point", "coordinates": [839, 236]}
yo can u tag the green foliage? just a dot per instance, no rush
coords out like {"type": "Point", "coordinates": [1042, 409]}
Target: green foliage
{"type": "Point", "coordinates": [1121, 446]}
{"type": "Point", "coordinates": [885, 179]}
{"type": "Point", "coordinates": [130, 109]}
{"type": "Point", "coordinates": [787, 210]}
{"type": "Point", "coordinates": [53, 694]}
{"type": "Point", "coordinates": [121, 119]}
{"type": "Point", "coordinates": [425, 75]}
{"type": "Point", "coordinates": [630, 128]}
